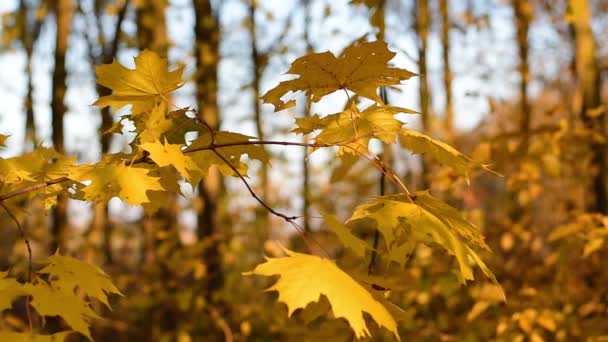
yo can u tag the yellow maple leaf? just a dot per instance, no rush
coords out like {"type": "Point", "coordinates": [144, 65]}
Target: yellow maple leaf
{"type": "Point", "coordinates": [304, 278]}
{"type": "Point", "coordinates": [142, 87]}
{"type": "Point", "coordinates": [404, 224]}
{"type": "Point", "coordinates": [50, 301]}
{"type": "Point", "coordinates": [445, 154]}
{"type": "Point", "coordinates": [171, 155]}
{"type": "Point", "coordinates": [108, 179]}
{"type": "Point", "coordinates": [10, 289]}
{"type": "Point", "coordinates": [362, 68]}
{"type": "Point", "coordinates": [68, 273]}
{"type": "Point", "coordinates": [353, 129]}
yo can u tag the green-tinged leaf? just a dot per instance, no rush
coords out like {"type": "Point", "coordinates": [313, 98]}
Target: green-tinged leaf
{"type": "Point", "coordinates": [10, 289]}
{"type": "Point", "coordinates": [29, 337]}
{"type": "Point", "coordinates": [49, 301]}
{"type": "Point", "coordinates": [141, 87]}
{"type": "Point", "coordinates": [451, 217]}
{"type": "Point", "coordinates": [445, 154]}
{"type": "Point", "coordinates": [362, 68]}
{"type": "Point", "coordinates": [346, 236]}
{"type": "Point", "coordinates": [171, 155]}
{"type": "Point", "coordinates": [403, 224]}
{"type": "Point", "coordinates": [304, 278]}
{"type": "Point", "coordinates": [68, 273]}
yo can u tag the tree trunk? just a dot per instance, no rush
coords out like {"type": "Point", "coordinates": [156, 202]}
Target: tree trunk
{"type": "Point", "coordinates": [28, 36]}
{"type": "Point", "coordinates": [152, 26]}
{"type": "Point", "coordinates": [63, 14]}
{"type": "Point", "coordinates": [589, 86]}
{"type": "Point", "coordinates": [447, 69]}
{"type": "Point", "coordinates": [523, 15]}
{"type": "Point", "coordinates": [152, 35]}
{"type": "Point", "coordinates": [422, 24]}
{"type": "Point", "coordinates": [100, 222]}
{"type": "Point", "coordinates": [305, 169]}
{"type": "Point", "coordinates": [258, 60]}
{"type": "Point", "coordinates": [206, 51]}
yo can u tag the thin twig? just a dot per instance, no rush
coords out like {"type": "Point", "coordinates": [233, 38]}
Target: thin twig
{"type": "Point", "coordinates": [31, 188]}
{"type": "Point", "coordinates": [221, 322]}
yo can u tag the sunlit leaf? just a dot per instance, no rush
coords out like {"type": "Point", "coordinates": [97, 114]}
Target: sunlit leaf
{"type": "Point", "coordinates": [141, 87]}
{"type": "Point", "coordinates": [361, 67]}
{"type": "Point", "coordinates": [68, 274]}
{"type": "Point", "coordinates": [304, 278]}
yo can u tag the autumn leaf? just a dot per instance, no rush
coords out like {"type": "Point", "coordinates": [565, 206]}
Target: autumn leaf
{"type": "Point", "coordinates": [171, 155]}
{"type": "Point", "coordinates": [352, 129]}
{"type": "Point", "coordinates": [233, 153]}
{"type": "Point", "coordinates": [109, 179]}
{"type": "Point", "coordinates": [346, 236]}
{"type": "Point", "coordinates": [11, 171]}
{"type": "Point", "coordinates": [69, 273]}
{"type": "Point", "coordinates": [49, 301]}
{"type": "Point", "coordinates": [403, 224]}
{"type": "Point", "coordinates": [451, 217]}
{"type": "Point", "coordinates": [304, 278]}
{"type": "Point", "coordinates": [362, 68]}
{"type": "Point", "coordinates": [307, 124]}
{"type": "Point", "coordinates": [445, 154]}
{"type": "Point", "coordinates": [141, 87]}
{"type": "Point", "coordinates": [10, 289]}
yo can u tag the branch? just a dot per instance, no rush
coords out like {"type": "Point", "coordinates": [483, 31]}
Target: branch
{"type": "Point", "coordinates": [31, 188]}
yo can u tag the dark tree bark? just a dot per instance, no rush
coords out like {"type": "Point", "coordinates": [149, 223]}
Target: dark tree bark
{"type": "Point", "coordinates": [29, 35]}
{"type": "Point", "coordinates": [63, 13]}
{"type": "Point", "coordinates": [422, 27]}
{"type": "Point", "coordinates": [108, 50]}
{"type": "Point", "coordinates": [259, 63]}
{"type": "Point", "coordinates": [523, 15]}
{"type": "Point", "coordinates": [206, 50]}
{"type": "Point", "coordinates": [447, 69]}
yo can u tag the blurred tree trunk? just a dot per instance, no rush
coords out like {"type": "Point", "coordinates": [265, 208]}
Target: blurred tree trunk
{"type": "Point", "coordinates": [305, 169]}
{"type": "Point", "coordinates": [523, 15]}
{"type": "Point", "coordinates": [444, 9]}
{"type": "Point", "coordinates": [589, 86]}
{"type": "Point", "coordinates": [63, 13]}
{"type": "Point", "coordinates": [152, 35]}
{"type": "Point", "coordinates": [259, 63]}
{"type": "Point", "coordinates": [108, 49]}
{"type": "Point", "coordinates": [206, 51]}
{"type": "Point", "coordinates": [152, 26]}
{"type": "Point", "coordinates": [29, 35]}
{"type": "Point", "coordinates": [422, 27]}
